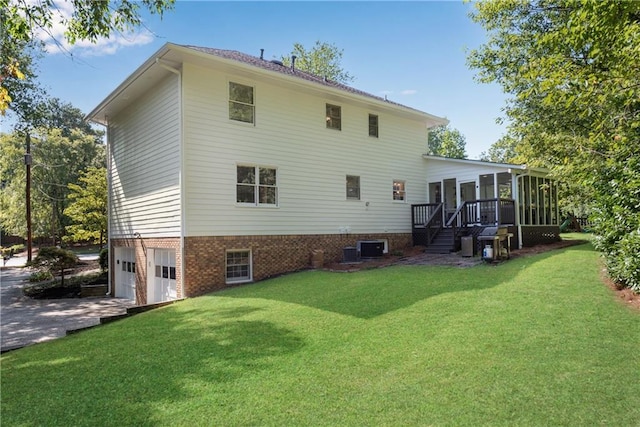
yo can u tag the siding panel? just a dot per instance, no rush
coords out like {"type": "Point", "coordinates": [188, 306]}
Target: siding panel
{"type": "Point", "coordinates": [312, 162]}
{"type": "Point", "coordinates": [145, 165]}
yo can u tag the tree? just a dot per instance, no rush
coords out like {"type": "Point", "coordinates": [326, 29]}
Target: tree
{"type": "Point", "coordinates": [447, 142]}
{"type": "Point", "coordinates": [24, 21]}
{"type": "Point", "coordinates": [87, 207]}
{"type": "Point", "coordinates": [55, 259]}
{"type": "Point", "coordinates": [323, 60]}
{"type": "Point", "coordinates": [503, 150]}
{"type": "Point", "coordinates": [57, 161]}
{"type": "Point", "coordinates": [572, 69]}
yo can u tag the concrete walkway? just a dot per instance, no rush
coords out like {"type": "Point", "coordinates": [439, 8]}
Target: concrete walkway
{"type": "Point", "coordinates": [25, 321]}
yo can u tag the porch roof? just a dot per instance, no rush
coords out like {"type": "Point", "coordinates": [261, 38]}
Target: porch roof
{"type": "Point", "coordinates": [510, 167]}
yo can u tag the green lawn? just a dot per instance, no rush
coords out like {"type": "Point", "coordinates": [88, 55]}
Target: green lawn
{"type": "Point", "coordinates": [533, 341]}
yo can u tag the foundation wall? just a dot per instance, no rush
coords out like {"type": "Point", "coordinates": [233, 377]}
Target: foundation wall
{"type": "Point", "coordinates": [205, 257]}
{"type": "Point", "coordinates": [143, 264]}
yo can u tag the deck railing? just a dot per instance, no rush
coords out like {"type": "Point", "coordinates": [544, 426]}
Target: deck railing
{"type": "Point", "coordinates": [426, 220]}
{"type": "Point", "coordinates": [483, 212]}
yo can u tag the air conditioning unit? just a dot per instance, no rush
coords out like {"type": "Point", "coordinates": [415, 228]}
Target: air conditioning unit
{"type": "Point", "coordinates": [350, 254]}
{"type": "Point", "coordinates": [371, 248]}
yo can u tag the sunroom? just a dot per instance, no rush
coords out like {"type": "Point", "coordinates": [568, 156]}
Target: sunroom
{"type": "Point", "coordinates": [466, 196]}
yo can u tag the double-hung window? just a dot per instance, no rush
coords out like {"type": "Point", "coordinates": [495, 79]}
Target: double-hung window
{"type": "Point", "coordinates": [373, 125]}
{"type": "Point", "coordinates": [241, 103]}
{"type": "Point", "coordinates": [334, 117]}
{"type": "Point", "coordinates": [256, 185]}
{"type": "Point", "coordinates": [399, 192]}
{"type": "Point", "coordinates": [238, 266]}
{"type": "Point", "coordinates": [353, 187]}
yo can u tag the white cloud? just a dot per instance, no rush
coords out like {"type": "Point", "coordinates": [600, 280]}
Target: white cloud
{"type": "Point", "coordinates": [55, 41]}
{"type": "Point", "coordinates": [409, 92]}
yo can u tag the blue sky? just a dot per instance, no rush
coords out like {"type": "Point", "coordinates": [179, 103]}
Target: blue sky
{"type": "Point", "coordinates": [413, 52]}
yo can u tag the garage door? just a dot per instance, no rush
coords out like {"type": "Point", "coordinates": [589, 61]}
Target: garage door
{"type": "Point", "coordinates": [125, 276]}
{"type": "Point", "coordinates": [163, 285]}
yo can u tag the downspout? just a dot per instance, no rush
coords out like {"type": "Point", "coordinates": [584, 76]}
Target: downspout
{"type": "Point", "coordinates": [109, 228]}
{"type": "Point", "coordinates": [178, 73]}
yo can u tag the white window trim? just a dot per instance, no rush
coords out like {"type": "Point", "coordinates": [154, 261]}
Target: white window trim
{"type": "Point", "coordinates": [404, 184]}
{"type": "Point", "coordinates": [257, 203]}
{"type": "Point", "coordinates": [254, 105]}
{"type": "Point", "coordinates": [328, 119]}
{"type": "Point", "coordinates": [243, 279]}
{"type": "Point", "coordinates": [346, 192]}
{"type": "Point", "coordinates": [377, 135]}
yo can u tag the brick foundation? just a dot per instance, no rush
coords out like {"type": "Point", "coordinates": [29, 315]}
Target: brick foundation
{"type": "Point", "coordinates": [271, 255]}
{"type": "Point", "coordinates": [141, 246]}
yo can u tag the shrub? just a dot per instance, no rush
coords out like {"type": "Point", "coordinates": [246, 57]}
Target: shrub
{"type": "Point", "coordinates": [40, 276]}
{"type": "Point", "coordinates": [54, 259]}
{"type": "Point", "coordinates": [104, 259]}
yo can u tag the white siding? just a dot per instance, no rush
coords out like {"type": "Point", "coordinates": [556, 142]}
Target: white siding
{"type": "Point", "coordinates": [312, 161]}
{"type": "Point", "coordinates": [145, 165]}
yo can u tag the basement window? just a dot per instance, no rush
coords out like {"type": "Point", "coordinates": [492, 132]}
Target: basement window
{"type": "Point", "coordinates": [238, 266]}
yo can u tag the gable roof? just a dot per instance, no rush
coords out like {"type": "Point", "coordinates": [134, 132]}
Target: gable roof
{"type": "Point", "coordinates": [156, 67]}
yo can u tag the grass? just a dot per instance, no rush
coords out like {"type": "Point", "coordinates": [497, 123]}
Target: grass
{"type": "Point", "coordinates": [534, 341]}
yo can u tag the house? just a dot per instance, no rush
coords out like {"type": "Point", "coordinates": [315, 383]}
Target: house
{"type": "Point", "coordinates": [465, 196]}
{"type": "Point", "coordinates": [226, 168]}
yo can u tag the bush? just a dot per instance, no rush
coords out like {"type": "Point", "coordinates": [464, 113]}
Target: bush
{"type": "Point", "coordinates": [622, 262]}
{"type": "Point", "coordinates": [54, 259]}
{"type": "Point", "coordinates": [104, 259]}
{"type": "Point", "coordinates": [72, 288]}
{"type": "Point", "coordinates": [40, 276]}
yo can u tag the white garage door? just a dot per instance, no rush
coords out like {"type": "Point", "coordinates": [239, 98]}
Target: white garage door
{"type": "Point", "coordinates": [163, 285]}
{"type": "Point", "coordinates": [125, 276]}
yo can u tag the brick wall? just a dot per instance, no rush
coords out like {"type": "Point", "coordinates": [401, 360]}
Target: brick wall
{"type": "Point", "coordinates": [141, 247]}
{"type": "Point", "coordinates": [271, 255]}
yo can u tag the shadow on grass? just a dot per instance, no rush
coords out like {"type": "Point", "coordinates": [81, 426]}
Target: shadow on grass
{"type": "Point", "coordinates": [371, 293]}
{"type": "Point", "coordinates": [168, 360]}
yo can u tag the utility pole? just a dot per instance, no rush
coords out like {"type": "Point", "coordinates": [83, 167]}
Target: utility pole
{"type": "Point", "coordinates": [27, 162]}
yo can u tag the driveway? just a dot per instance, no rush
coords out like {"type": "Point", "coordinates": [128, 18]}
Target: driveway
{"type": "Point", "coordinates": [25, 321]}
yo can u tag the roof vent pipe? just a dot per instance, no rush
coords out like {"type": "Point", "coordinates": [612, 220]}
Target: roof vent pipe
{"type": "Point", "coordinates": [293, 62]}
{"type": "Point", "coordinates": [261, 53]}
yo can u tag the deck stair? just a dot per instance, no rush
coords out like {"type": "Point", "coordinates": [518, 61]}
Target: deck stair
{"type": "Point", "coordinates": [443, 242]}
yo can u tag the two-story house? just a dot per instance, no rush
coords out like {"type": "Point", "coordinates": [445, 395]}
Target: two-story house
{"type": "Point", "coordinates": [226, 168]}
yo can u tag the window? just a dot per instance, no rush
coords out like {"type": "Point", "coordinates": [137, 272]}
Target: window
{"type": "Point", "coordinates": [256, 186]}
{"type": "Point", "coordinates": [241, 103]}
{"type": "Point", "coordinates": [373, 125]}
{"type": "Point", "coordinates": [238, 266]}
{"type": "Point", "coordinates": [334, 117]}
{"type": "Point", "coordinates": [399, 193]}
{"type": "Point", "coordinates": [353, 187]}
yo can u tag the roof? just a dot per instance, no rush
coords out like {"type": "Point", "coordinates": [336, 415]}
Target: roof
{"type": "Point", "coordinates": [472, 162]}
{"type": "Point", "coordinates": [156, 67]}
{"type": "Point", "coordinates": [277, 66]}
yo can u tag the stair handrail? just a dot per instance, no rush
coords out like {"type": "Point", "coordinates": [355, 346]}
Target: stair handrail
{"type": "Point", "coordinates": [435, 219]}
{"type": "Point", "coordinates": [456, 217]}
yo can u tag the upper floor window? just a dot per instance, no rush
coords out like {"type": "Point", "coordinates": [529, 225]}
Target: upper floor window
{"type": "Point", "coordinates": [353, 187]}
{"type": "Point", "coordinates": [241, 103]}
{"type": "Point", "coordinates": [399, 192]}
{"type": "Point", "coordinates": [257, 185]}
{"type": "Point", "coordinates": [373, 125]}
{"type": "Point", "coordinates": [334, 117]}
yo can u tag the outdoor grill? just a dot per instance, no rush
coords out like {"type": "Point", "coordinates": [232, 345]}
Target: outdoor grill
{"type": "Point", "coordinates": [495, 243]}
